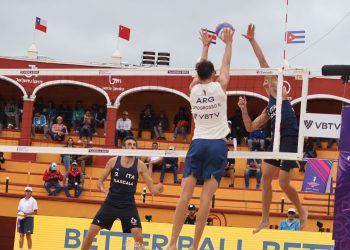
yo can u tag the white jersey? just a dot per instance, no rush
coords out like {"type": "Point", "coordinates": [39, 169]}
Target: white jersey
{"type": "Point", "coordinates": [209, 110]}
{"type": "Point", "coordinates": [28, 205]}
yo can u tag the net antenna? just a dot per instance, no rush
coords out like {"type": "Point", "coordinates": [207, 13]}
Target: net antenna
{"type": "Point", "coordinates": [276, 154]}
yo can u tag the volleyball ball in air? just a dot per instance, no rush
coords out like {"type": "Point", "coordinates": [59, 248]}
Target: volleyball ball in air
{"type": "Point", "coordinates": [220, 27]}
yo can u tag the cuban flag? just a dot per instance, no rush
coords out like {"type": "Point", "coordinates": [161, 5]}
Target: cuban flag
{"type": "Point", "coordinates": [40, 24]}
{"type": "Point", "coordinates": [296, 36]}
{"type": "Point", "coordinates": [212, 35]}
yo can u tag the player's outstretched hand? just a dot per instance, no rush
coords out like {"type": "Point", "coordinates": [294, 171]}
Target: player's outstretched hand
{"type": "Point", "coordinates": [227, 35]}
{"type": "Point", "coordinates": [157, 189]}
{"type": "Point", "coordinates": [250, 32]}
{"type": "Point", "coordinates": [203, 36]}
{"type": "Point", "coordinates": [100, 186]}
{"type": "Point", "coordinates": [242, 102]}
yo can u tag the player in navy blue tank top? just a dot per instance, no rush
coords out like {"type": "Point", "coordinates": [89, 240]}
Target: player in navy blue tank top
{"type": "Point", "coordinates": [288, 139]}
{"type": "Point", "coordinates": [120, 202]}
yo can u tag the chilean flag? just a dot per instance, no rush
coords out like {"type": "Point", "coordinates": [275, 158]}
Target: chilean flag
{"type": "Point", "coordinates": [296, 36]}
{"type": "Point", "coordinates": [40, 24]}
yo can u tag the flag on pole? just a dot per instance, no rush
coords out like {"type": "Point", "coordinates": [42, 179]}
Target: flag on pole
{"type": "Point", "coordinates": [124, 32]}
{"type": "Point", "coordinates": [296, 36]}
{"type": "Point", "coordinates": [40, 24]}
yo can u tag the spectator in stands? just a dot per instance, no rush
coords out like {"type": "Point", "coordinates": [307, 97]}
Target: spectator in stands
{"type": "Point", "coordinates": [253, 169]}
{"type": "Point", "coordinates": [66, 112]}
{"type": "Point", "coordinates": [100, 119]}
{"type": "Point", "coordinates": [330, 142]}
{"type": "Point", "coordinates": [77, 117]}
{"type": "Point", "coordinates": [50, 112]}
{"type": "Point", "coordinates": [27, 207]}
{"type": "Point", "coordinates": [256, 140]}
{"type": "Point", "coordinates": [308, 152]}
{"type": "Point", "coordinates": [238, 126]}
{"type": "Point", "coordinates": [58, 130]}
{"type": "Point", "coordinates": [232, 136]}
{"type": "Point", "coordinates": [230, 171]}
{"type": "Point", "coordinates": [2, 160]}
{"type": "Point", "coordinates": [290, 223]}
{"type": "Point", "coordinates": [12, 113]}
{"type": "Point", "coordinates": [84, 160]}
{"type": "Point", "coordinates": [210, 221]}
{"type": "Point", "coordinates": [75, 180]}
{"type": "Point", "coordinates": [68, 159]}
{"type": "Point", "coordinates": [52, 177]}
{"type": "Point", "coordinates": [181, 123]}
{"type": "Point", "coordinates": [160, 125]}
{"type": "Point", "coordinates": [170, 163]}
{"type": "Point", "coordinates": [154, 162]}
{"type": "Point", "coordinates": [39, 123]}
{"type": "Point", "coordinates": [123, 128]}
{"type": "Point", "coordinates": [191, 217]}
{"type": "Point", "coordinates": [2, 115]}
{"type": "Point", "coordinates": [146, 121]}
{"type": "Point", "coordinates": [86, 129]}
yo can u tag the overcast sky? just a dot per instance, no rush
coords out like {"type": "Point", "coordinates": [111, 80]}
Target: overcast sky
{"type": "Point", "coordinates": [86, 30]}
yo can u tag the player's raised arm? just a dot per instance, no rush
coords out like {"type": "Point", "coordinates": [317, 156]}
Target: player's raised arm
{"type": "Point", "coordinates": [206, 41]}
{"type": "Point", "coordinates": [153, 188]}
{"type": "Point", "coordinates": [106, 171]}
{"type": "Point", "coordinates": [227, 38]}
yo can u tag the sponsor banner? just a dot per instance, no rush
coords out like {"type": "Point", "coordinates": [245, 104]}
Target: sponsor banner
{"type": "Point", "coordinates": [98, 151]}
{"type": "Point", "coordinates": [57, 233]}
{"type": "Point", "coordinates": [317, 176]}
{"type": "Point", "coordinates": [321, 125]}
{"type": "Point", "coordinates": [178, 72]}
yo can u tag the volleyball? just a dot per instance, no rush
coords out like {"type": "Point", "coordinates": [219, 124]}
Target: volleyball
{"type": "Point", "coordinates": [220, 27]}
{"type": "Point", "coordinates": [20, 215]}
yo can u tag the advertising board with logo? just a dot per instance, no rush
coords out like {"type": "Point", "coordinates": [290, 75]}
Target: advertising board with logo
{"type": "Point", "coordinates": [321, 125]}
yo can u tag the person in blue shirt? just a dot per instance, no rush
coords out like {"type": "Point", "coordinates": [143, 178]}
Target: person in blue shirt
{"type": "Point", "coordinates": [291, 223]}
{"type": "Point", "coordinates": [39, 123]}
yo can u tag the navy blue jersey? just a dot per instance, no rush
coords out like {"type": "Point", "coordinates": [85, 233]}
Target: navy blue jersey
{"type": "Point", "coordinates": [289, 125]}
{"type": "Point", "coordinates": [123, 184]}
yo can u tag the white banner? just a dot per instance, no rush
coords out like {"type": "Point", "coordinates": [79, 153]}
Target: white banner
{"type": "Point", "coordinates": [321, 125]}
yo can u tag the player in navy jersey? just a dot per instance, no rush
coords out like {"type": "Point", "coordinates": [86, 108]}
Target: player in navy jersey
{"type": "Point", "coordinates": [288, 139]}
{"type": "Point", "coordinates": [120, 202]}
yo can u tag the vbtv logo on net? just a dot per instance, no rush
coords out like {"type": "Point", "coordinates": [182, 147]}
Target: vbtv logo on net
{"type": "Point", "coordinates": [322, 125]}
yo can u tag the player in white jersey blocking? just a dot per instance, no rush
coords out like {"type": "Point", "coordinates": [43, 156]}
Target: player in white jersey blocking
{"type": "Point", "coordinates": [207, 156]}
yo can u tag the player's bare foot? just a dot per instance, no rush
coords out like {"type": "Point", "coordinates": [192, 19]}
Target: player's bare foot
{"type": "Point", "coordinates": [303, 219]}
{"type": "Point", "coordinates": [261, 226]}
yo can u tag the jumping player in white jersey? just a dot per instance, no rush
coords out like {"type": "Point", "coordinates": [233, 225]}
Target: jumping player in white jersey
{"type": "Point", "coordinates": [288, 139]}
{"type": "Point", "coordinates": [207, 156]}
{"type": "Point", "coordinates": [120, 201]}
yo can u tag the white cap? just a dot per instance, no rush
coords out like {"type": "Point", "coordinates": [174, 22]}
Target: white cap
{"type": "Point", "coordinates": [291, 210]}
{"type": "Point", "coordinates": [28, 189]}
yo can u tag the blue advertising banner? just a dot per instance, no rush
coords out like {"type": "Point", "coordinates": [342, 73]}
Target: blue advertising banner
{"type": "Point", "coordinates": [317, 176]}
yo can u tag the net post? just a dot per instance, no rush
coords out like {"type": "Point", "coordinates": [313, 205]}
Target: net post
{"type": "Point", "coordinates": [276, 142]}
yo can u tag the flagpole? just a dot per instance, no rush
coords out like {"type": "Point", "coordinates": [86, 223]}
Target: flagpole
{"type": "Point", "coordinates": [34, 32]}
{"type": "Point", "coordinates": [285, 38]}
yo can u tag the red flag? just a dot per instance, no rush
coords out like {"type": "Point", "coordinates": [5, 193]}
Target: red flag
{"type": "Point", "coordinates": [41, 24]}
{"type": "Point", "coordinates": [124, 32]}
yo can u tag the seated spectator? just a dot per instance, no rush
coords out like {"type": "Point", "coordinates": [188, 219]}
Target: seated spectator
{"type": "Point", "coordinates": [308, 152]}
{"type": "Point", "coordinates": [58, 130]}
{"type": "Point", "coordinates": [12, 113]}
{"type": "Point", "coordinates": [154, 162]}
{"type": "Point", "coordinates": [253, 169]}
{"type": "Point", "coordinates": [181, 123]}
{"type": "Point", "coordinates": [66, 112]}
{"type": "Point", "coordinates": [68, 159]}
{"type": "Point", "coordinates": [231, 137]}
{"type": "Point", "coordinates": [330, 142]}
{"type": "Point", "coordinates": [160, 125]}
{"type": "Point", "coordinates": [77, 117]}
{"type": "Point", "coordinates": [75, 180]}
{"type": "Point", "coordinates": [123, 128]}
{"type": "Point", "coordinates": [230, 171]}
{"type": "Point", "coordinates": [86, 129]}
{"type": "Point", "coordinates": [84, 160]}
{"type": "Point", "coordinates": [39, 123]}
{"type": "Point", "coordinates": [290, 223]}
{"type": "Point", "coordinates": [52, 177]}
{"type": "Point", "coordinates": [191, 217]}
{"type": "Point", "coordinates": [170, 163]}
{"type": "Point", "coordinates": [146, 121]}
{"type": "Point", "coordinates": [256, 140]}
{"type": "Point", "coordinates": [100, 119]}
{"type": "Point", "coordinates": [2, 116]}
{"type": "Point", "coordinates": [238, 126]}
{"type": "Point", "coordinates": [50, 112]}
{"type": "Point", "coordinates": [2, 160]}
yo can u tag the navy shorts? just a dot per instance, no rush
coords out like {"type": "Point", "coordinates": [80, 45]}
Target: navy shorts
{"type": "Point", "coordinates": [129, 217]}
{"type": "Point", "coordinates": [26, 225]}
{"type": "Point", "coordinates": [288, 144]}
{"type": "Point", "coordinates": [206, 158]}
